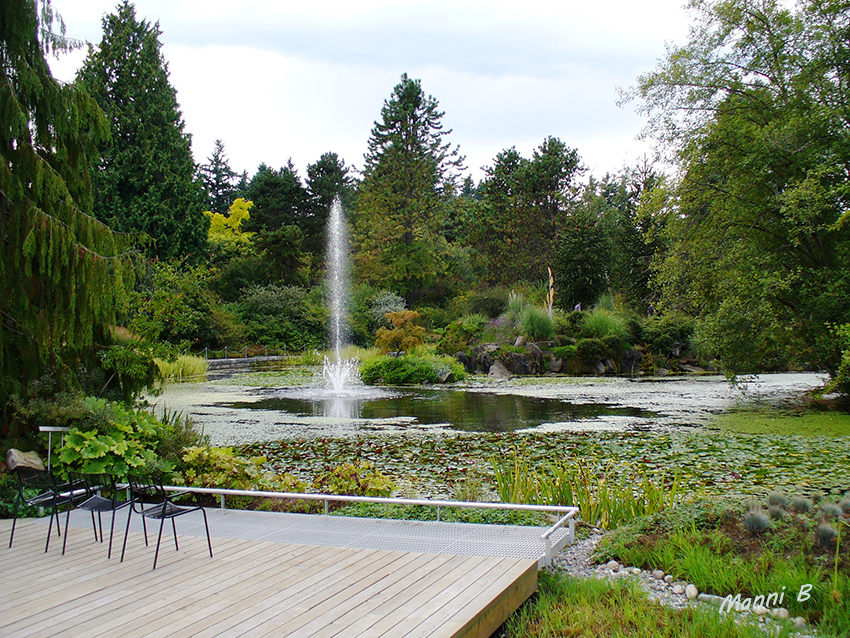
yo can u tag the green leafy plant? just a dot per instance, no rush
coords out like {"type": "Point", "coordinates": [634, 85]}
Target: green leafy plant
{"type": "Point", "coordinates": [410, 370]}
{"type": "Point", "coordinates": [404, 335]}
{"type": "Point", "coordinates": [358, 478]}
{"type": "Point", "coordinates": [112, 438]}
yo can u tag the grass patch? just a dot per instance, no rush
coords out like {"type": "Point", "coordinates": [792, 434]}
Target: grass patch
{"type": "Point", "coordinates": [184, 367]}
{"type": "Point", "coordinates": [565, 606]}
{"type": "Point", "coordinates": [709, 544]}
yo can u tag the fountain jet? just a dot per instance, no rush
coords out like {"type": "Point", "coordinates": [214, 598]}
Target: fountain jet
{"type": "Point", "coordinates": [337, 372]}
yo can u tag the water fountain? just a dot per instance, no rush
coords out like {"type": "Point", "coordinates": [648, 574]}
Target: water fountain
{"type": "Point", "coordinates": [338, 373]}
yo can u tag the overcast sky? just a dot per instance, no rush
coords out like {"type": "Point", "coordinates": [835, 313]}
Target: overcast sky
{"type": "Point", "coordinates": [275, 79]}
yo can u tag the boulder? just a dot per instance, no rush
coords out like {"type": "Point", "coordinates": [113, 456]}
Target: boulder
{"type": "Point", "coordinates": [520, 342]}
{"type": "Point", "coordinates": [484, 361]}
{"type": "Point", "coordinates": [468, 363]}
{"type": "Point", "coordinates": [554, 365]}
{"type": "Point", "coordinates": [499, 371]}
{"type": "Point", "coordinates": [631, 361]}
{"type": "Point", "coordinates": [518, 364]}
{"type": "Point", "coordinates": [16, 458]}
{"type": "Point", "coordinates": [536, 355]}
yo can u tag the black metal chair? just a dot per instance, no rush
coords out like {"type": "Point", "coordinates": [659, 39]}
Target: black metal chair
{"type": "Point", "coordinates": [149, 496]}
{"type": "Point", "coordinates": [95, 486]}
{"type": "Point", "coordinates": [51, 495]}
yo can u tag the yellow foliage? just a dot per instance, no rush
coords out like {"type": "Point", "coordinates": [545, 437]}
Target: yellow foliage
{"type": "Point", "coordinates": [229, 228]}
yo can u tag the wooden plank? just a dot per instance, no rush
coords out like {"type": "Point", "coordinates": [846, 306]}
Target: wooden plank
{"type": "Point", "coordinates": [250, 589]}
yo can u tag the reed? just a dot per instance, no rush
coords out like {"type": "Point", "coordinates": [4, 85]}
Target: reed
{"type": "Point", "coordinates": [184, 367]}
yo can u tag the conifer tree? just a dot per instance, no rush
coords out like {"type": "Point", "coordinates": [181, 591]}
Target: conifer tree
{"type": "Point", "coordinates": [62, 273]}
{"type": "Point", "coordinates": [145, 178]}
{"type": "Point", "coordinates": [219, 181]}
{"type": "Point", "coordinates": [409, 174]}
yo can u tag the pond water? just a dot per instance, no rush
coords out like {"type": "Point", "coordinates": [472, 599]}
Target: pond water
{"type": "Point", "coordinates": [258, 407]}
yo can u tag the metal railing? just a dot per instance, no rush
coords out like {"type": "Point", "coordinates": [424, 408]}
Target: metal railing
{"type": "Point", "coordinates": [569, 512]}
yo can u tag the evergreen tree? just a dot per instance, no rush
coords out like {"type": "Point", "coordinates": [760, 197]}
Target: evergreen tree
{"type": "Point", "coordinates": [62, 273]}
{"type": "Point", "coordinates": [219, 181]}
{"type": "Point", "coordinates": [409, 173]}
{"type": "Point", "coordinates": [326, 179]}
{"type": "Point", "coordinates": [281, 209]}
{"type": "Point", "coordinates": [145, 178]}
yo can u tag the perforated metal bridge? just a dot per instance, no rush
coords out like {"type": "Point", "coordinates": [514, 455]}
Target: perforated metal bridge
{"type": "Point", "coordinates": [506, 541]}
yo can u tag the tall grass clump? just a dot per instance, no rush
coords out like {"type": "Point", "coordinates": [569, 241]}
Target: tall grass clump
{"type": "Point", "coordinates": [185, 366]}
{"type": "Point", "coordinates": [537, 325]}
{"type": "Point", "coordinates": [607, 496]}
{"type": "Point", "coordinates": [600, 323]}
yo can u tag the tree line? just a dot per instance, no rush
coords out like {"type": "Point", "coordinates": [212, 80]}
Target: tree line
{"type": "Point", "coordinates": [100, 198]}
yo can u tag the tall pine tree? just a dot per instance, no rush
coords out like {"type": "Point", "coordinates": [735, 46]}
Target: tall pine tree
{"type": "Point", "coordinates": [145, 178]}
{"type": "Point", "coordinates": [219, 180]}
{"type": "Point", "coordinates": [62, 273]}
{"type": "Point", "coordinates": [409, 175]}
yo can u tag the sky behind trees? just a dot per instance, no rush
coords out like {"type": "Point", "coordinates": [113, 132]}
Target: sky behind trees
{"type": "Point", "coordinates": [276, 80]}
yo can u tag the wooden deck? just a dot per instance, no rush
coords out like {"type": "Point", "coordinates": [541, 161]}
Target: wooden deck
{"type": "Point", "coordinates": [248, 588]}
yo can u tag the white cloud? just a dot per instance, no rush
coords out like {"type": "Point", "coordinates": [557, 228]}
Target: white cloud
{"type": "Point", "coordinates": [276, 80]}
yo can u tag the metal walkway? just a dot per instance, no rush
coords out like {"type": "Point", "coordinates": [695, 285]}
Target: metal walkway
{"type": "Point", "coordinates": [462, 539]}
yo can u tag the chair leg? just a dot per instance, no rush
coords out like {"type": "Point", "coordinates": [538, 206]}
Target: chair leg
{"type": "Point", "coordinates": [50, 527]}
{"type": "Point", "coordinates": [126, 531]}
{"type": "Point", "coordinates": [207, 527]}
{"type": "Point", "coordinates": [158, 539]}
{"type": "Point", "coordinates": [14, 520]}
{"type": "Point", "coordinates": [174, 530]}
{"type": "Point", "coordinates": [67, 518]}
{"type": "Point", "coordinates": [93, 526]}
{"type": "Point", "coordinates": [111, 531]}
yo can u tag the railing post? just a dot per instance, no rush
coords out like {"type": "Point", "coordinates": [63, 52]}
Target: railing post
{"type": "Point", "coordinates": [438, 513]}
{"type": "Point", "coordinates": [326, 506]}
{"type": "Point", "coordinates": [548, 544]}
{"type": "Point", "coordinates": [207, 353]}
{"type": "Point", "coordinates": [222, 501]}
{"type": "Point", "coordinates": [225, 352]}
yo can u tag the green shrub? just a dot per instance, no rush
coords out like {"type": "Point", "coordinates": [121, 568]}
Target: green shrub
{"type": "Point", "coordinates": [283, 316]}
{"type": "Point", "coordinates": [460, 334]}
{"type": "Point", "coordinates": [757, 521]}
{"type": "Point", "coordinates": [659, 334]}
{"type": "Point", "coordinates": [537, 325]}
{"type": "Point", "coordinates": [567, 324]}
{"type": "Point", "coordinates": [590, 350]}
{"type": "Point", "coordinates": [565, 352]}
{"type": "Point", "coordinates": [410, 370]}
{"type": "Point", "coordinates": [490, 303]}
{"type": "Point", "coordinates": [359, 478]}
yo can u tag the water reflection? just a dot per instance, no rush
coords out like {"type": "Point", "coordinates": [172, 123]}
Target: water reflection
{"type": "Point", "coordinates": [460, 410]}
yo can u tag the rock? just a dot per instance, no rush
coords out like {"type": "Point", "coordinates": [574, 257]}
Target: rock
{"type": "Point", "coordinates": [631, 361]}
{"type": "Point", "coordinates": [799, 621]}
{"type": "Point", "coordinates": [520, 342]}
{"type": "Point", "coordinates": [555, 365]}
{"type": "Point", "coordinates": [610, 368]}
{"type": "Point", "coordinates": [689, 368]}
{"type": "Point", "coordinates": [668, 579]}
{"type": "Point", "coordinates": [636, 571]}
{"type": "Point", "coordinates": [691, 592]}
{"type": "Point", "coordinates": [468, 363]}
{"type": "Point", "coordinates": [444, 376]}
{"type": "Point", "coordinates": [781, 613]}
{"type": "Point", "coordinates": [658, 574]}
{"type": "Point", "coordinates": [710, 598]}
{"type": "Point", "coordinates": [678, 589]}
{"type": "Point", "coordinates": [612, 565]}
{"type": "Point", "coordinates": [760, 610]}
{"type": "Point", "coordinates": [499, 371]}
{"type": "Point", "coordinates": [663, 372]}
{"type": "Point", "coordinates": [485, 362]}
{"type": "Point", "coordinates": [598, 368]}
{"type": "Point", "coordinates": [536, 355]}
{"type": "Point", "coordinates": [16, 458]}
{"type": "Point", "coordinates": [518, 364]}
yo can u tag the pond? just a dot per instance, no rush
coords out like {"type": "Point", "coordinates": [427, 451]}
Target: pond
{"type": "Point", "coordinates": [750, 438]}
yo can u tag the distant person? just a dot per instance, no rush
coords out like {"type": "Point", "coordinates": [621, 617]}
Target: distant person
{"type": "Point", "coordinates": [577, 307]}
{"type": "Point", "coordinates": [650, 311]}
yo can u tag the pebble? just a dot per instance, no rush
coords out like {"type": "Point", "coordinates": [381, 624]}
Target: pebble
{"type": "Point", "coordinates": [678, 589]}
{"type": "Point", "coordinates": [691, 592]}
{"type": "Point", "coordinates": [658, 574]}
{"type": "Point", "coordinates": [780, 613]}
{"type": "Point", "coordinates": [612, 565]}
{"type": "Point", "coordinates": [668, 579]}
{"type": "Point", "coordinates": [761, 610]}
